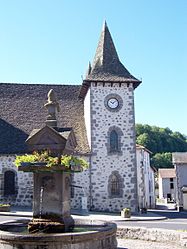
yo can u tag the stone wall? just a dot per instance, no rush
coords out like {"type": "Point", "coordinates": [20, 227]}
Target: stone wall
{"type": "Point", "coordinates": [80, 187]}
{"type": "Point", "coordinates": [105, 163]}
{"type": "Point", "coordinates": [153, 234]}
{"type": "Point", "coordinates": [23, 183]}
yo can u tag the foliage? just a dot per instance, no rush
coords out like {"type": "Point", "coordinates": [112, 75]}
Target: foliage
{"type": "Point", "coordinates": [162, 160]}
{"type": "Point", "coordinates": [127, 210]}
{"type": "Point", "coordinates": [45, 157]}
{"type": "Point", "coordinates": [126, 213]}
{"type": "Point", "coordinates": [74, 161]}
{"type": "Point", "coordinates": [160, 141]}
{"type": "Point", "coordinates": [25, 158]}
{"type": "Point", "coordinates": [4, 205]}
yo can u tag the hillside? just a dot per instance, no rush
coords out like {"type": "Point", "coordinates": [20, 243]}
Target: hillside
{"type": "Point", "coordinates": [161, 142]}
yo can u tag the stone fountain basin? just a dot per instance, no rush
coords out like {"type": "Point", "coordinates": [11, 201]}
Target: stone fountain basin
{"type": "Point", "coordinates": [98, 235]}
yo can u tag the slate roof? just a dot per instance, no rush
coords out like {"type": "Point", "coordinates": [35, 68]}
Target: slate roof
{"type": "Point", "coordinates": [106, 64]}
{"type": "Point", "coordinates": [22, 110]}
{"type": "Point", "coordinates": [179, 157]}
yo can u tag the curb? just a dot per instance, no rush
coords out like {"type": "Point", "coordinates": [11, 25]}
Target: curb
{"type": "Point", "coordinates": [15, 214]}
{"type": "Point", "coordinates": [141, 219]}
{"type": "Point", "coordinates": [153, 234]}
{"type": "Point", "coordinates": [98, 217]}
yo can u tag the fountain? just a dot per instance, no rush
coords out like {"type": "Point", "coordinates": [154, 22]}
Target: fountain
{"type": "Point", "coordinates": [52, 225]}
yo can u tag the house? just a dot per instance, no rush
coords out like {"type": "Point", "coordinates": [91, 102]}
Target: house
{"type": "Point", "coordinates": [179, 160]}
{"type": "Point", "coordinates": [100, 113]}
{"type": "Point", "coordinates": [167, 184]}
{"type": "Point", "coordinates": [145, 178]}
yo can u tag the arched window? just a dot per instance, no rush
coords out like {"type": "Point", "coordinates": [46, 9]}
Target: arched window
{"type": "Point", "coordinates": [114, 185]}
{"type": "Point", "coordinates": [114, 142]}
{"type": "Point", "coordinates": [9, 183]}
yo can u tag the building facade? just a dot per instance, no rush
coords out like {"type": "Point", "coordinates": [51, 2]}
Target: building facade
{"type": "Point", "coordinates": [101, 113]}
{"type": "Point", "coordinates": [180, 164]}
{"type": "Point", "coordinates": [167, 184]}
{"type": "Point", "coordinates": [145, 179]}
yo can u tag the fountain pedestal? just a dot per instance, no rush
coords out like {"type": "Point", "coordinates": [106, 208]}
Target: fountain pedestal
{"type": "Point", "coordinates": [51, 199]}
{"type": "Point", "coordinates": [51, 205]}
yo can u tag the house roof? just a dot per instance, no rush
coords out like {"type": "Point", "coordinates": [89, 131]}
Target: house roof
{"type": "Point", "coordinates": [106, 66]}
{"type": "Point", "coordinates": [141, 147]}
{"type": "Point", "coordinates": [22, 110]}
{"type": "Point", "coordinates": [167, 173]}
{"type": "Point", "coordinates": [179, 157]}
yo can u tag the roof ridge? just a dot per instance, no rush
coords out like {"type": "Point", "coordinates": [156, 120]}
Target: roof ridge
{"type": "Point", "coordinates": [38, 84]}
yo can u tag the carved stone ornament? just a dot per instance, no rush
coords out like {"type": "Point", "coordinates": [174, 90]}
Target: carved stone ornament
{"type": "Point", "coordinates": [52, 105]}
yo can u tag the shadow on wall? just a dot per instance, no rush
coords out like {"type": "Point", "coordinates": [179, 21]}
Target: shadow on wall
{"type": "Point", "coordinates": [12, 139]}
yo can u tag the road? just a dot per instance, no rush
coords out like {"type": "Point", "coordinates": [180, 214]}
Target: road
{"type": "Point", "coordinates": [179, 224]}
{"type": "Point", "coordinates": [175, 221]}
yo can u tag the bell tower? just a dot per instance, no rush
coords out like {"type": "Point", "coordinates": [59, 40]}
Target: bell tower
{"type": "Point", "coordinates": [108, 92]}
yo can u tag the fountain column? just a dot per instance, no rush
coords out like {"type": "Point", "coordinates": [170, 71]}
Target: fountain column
{"type": "Point", "coordinates": [51, 199]}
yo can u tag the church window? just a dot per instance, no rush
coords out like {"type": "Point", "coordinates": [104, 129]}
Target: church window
{"type": "Point", "coordinates": [114, 144]}
{"type": "Point", "coordinates": [115, 185]}
{"type": "Point", "coordinates": [9, 183]}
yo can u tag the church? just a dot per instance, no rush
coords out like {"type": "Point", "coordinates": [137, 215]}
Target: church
{"type": "Point", "coordinates": [101, 113]}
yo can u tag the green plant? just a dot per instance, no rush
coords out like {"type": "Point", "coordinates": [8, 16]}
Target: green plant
{"type": "Point", "coordinates": [68, 161]}
{"type": "Point", "coordinates": [4, 205]}
{"type": "Point", "coordinates": [25, 158]}
{"type": "Point", "coordinates": [127, 210]}
{"type": "Point", "coordinates": [126, 213]}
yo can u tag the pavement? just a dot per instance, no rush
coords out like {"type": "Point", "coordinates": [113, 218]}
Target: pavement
{"type": "Point", "coordinates": [142, 244]}
{"type": "Point", "coordinates": [149, 216]}
{"type": "Point", "coordinates": [111, 217]}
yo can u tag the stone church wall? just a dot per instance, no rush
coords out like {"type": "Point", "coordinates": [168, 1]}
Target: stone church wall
{"type": "Point", "coordinates": [21, 183]}
{"type": "Point", "coordinates": [80, 188]}
{"type": "Point", "coordinates": [105, 164]}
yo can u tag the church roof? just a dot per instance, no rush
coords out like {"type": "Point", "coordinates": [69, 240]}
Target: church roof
{"type": "Point", "coordinates": [106, 65]}
{"type": "Point", "coordinates": [22, 110]}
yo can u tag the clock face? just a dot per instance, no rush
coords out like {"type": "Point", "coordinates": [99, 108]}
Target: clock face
{"type": "Point", "coordinates": [113, 103]}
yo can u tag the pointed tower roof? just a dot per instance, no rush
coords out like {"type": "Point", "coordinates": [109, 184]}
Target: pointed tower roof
{"type": "Point", "coordinates": [106, 66]}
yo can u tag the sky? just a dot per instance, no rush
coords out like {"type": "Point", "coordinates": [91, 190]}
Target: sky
{"type": "Point", "coordinates": [52, 41]}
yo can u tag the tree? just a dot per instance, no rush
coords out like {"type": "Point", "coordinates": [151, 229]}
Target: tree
{"type": "Point", "coordinates": [162, 160]}
{"type": "Point", "coordinates": [160, 141]}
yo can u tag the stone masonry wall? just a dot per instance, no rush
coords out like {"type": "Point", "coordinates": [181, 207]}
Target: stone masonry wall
{"type": "Point", "coordinates": [104, 163]}
{"type": "Point", "coordinates": [153, 234]}
{"type": "Point", "coordinates": [23, 183]}
{"type": "Point", "coordinates": [81, 188]}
